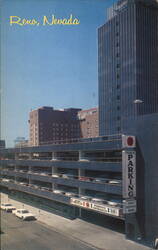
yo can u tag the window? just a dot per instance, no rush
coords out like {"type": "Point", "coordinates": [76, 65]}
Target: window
{"type": "Point", "coordinates": [118, 107]}
{"type": "Point", "coordinates": [118, 129]}
{"type": "Point", "coordinates": [118, 97]}
{"type": "Point", "coordinates": [118, 86]}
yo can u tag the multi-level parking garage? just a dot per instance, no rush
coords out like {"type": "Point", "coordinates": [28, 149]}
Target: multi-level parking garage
{"type": "Point", "coordinates": [94, 175]}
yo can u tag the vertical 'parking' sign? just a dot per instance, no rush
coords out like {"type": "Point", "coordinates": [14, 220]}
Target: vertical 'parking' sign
{"type": "Point", "coordinates": [129, 174]}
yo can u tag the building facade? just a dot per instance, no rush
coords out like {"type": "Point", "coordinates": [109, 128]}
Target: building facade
{"type": "Point", "coordinates": [48, 126]}
{"type": "Point", "coordinates": [97, 176]}
{"type": "Point", "coordinates": [89, 126]}
{"type": "Point", "coordinates": [128, 97]}
{"type": "Point", "coordinates": [2, 143]}
{"type": "Point", "coordinates": [20, 142]}
{"type": "Point", "coordinates": [128, 63]}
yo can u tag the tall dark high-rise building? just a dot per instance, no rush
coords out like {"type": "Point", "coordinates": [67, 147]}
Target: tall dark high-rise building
{"type": "Point", "coordinates": [128, 64]}
{"type": "Point", "coordinates": [128, 98]}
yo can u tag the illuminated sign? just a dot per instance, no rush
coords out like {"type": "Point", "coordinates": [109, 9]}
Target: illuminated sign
{"type": "Point", "coordinates": [129, 174]}
{"type": "Point", "coordinates": [128, 141]}
{"type": "Point", "coordinates": [97, 207]}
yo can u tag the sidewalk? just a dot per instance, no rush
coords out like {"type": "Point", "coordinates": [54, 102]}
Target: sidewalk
{"type": "Point", "coordinates": [94, 235]}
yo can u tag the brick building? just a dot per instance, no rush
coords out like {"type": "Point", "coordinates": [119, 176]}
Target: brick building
{"type": "Point", "coordinates": [48, 125]}
{"type": "Point", "coordinates": [89, 123]}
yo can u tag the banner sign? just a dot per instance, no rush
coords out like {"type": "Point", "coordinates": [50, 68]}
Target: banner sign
{"type": "Point", "coordinates": [129, 206]}
{"type": "Point", "coordinates": [97, 207]}
{"type": "Point", "coordinates": [129, 174]}
{"type": "Point", "coordinates": [105, 209]}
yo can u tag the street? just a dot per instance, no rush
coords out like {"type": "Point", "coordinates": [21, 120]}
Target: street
{"type": "Point", "coordinates": [31, 235]}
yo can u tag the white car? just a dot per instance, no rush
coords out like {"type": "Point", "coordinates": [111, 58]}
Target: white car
{"type": "Point", "coordinates": [46, 188]}
{"type": "Point", "coordinates": [101, 180]}
{"type": "Point", "coordinates": [114, 202]}
{"type": "Point", "coordinates": [24, 214]}
{"type": "Point", "coordinates": [5, 180]}
{"type": "Point", "coordinates": [85, 160]}
{"type": "Point", "coordinates": [69, 194]}
{"type": "Point", "coordinates": [98, 200]}
{"type": "Point", "coordinates": [22, 183]}
{"type": "Point", "coordinates": [45, 174]}
{"type": "Point", "coordinates": [55, 175]}
{"type": "Point", "coordinates": [7, 207]}
{"type": "Point", "coordinates": [14, 211]}
{"type": "Point", "coordinates": [115, 182]}
{"type": "Point", "coordinates": [56, 191]}
{"type": "Point", "coordinates": [87, 198]}
{"type": "Point", "coordinates": [67, 176]}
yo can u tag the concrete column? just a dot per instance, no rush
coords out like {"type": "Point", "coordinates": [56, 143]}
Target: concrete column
{"type": "Point", "coordinates": [54, 171]}
{"type": "Point", "coordinates": [16, 156]}
{"type": "Point", "coordinates": [81, 172]}
{"type": "Point", "coordinates": [132, 227]}
{"type": "Point", "coordinates": [30, 182]}
{"type": "Point", "coordinates": [82, 156]}
{"type": "Point", "coordinates": [54, 156]}
{"type": "Point", "coordinates": [15, 166]}
{"type": "Point", "coordinates": [30, 156]}
{"type": "Point", "coordinates": [54, 186]}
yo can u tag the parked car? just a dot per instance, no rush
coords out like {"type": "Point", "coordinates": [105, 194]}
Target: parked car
{"type": "Point", "coordinates": [69, 194]}
{"type": "Point", "coordinates": [55, 175]}
{"type": "Point", "coordinates": [23, 171]}
{"type": "Point", "coordinates": [30, 172]}
{"type": "Point", "coordinates": [14, 211]}
{"type": "Point", "coordinates": [56, 191]}
{"type": "Point", "coordinates": [7, 207]}
{"type": "Point", "coordinates": [115, 182]}
{"type": "Point", "coordinates": [98, 200]}
{"type": "Point", "coordinates": [67, 176]}
{"type": "Point", "coordinates": [22, 183]}
{"type": "Point", "coordinates": [24, 214]}
{"type": "Point", "coordinates": [35, 172]}
{"type": "Point", "coordinates": [114, 202]}
{"type": "Point", "coordinates": [87, 198]}
{"type": "Point", "coordinates": [45, 174]}
{"type": "Point", "coordinates": [5, 180]}
{"type": "Point", "coordinates": [84, 178]}
{"type": "Point", "coordinates": [100, 180]}
{"type": "Point", "coordinates": [45, 188]}
{"type": "Point", "coordinates": [85, 160]}
{"type": "Point", "coordinates": [33, 186]}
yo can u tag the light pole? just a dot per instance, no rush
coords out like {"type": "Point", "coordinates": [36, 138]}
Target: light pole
{"type": "Point", "coordinates": [137, 102]}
